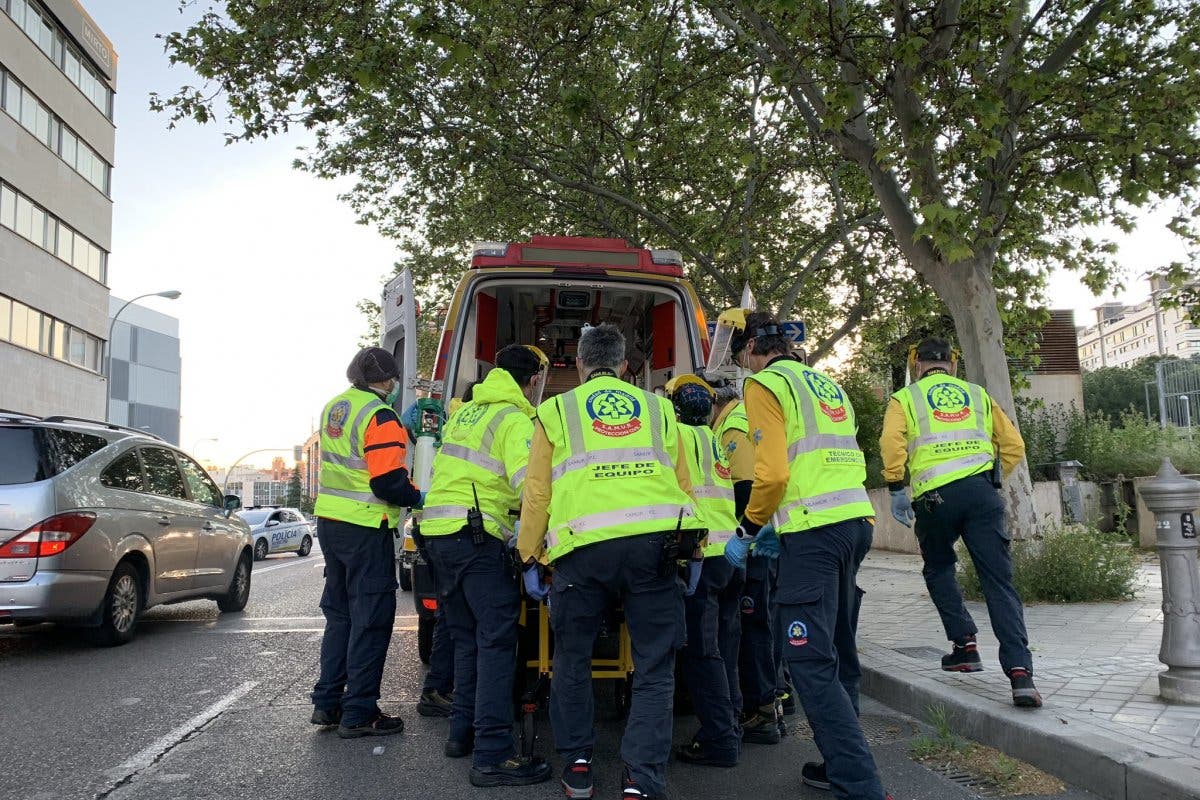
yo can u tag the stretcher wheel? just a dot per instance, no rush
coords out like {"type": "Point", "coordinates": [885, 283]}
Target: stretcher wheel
{"type": "Point", "coordinates": [622, 696]}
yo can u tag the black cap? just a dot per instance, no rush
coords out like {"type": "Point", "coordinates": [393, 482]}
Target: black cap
{"type": "Point", "coordinates": [372, 365]}
{"type": "Point", "coordinates": [934, 349]}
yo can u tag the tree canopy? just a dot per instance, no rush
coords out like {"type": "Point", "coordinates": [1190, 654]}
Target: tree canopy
{"type": "Point", "coordinates": [849, 159]}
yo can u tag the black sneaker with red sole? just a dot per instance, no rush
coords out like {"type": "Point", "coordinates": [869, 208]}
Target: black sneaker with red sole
{"type": "Point", "coordinates": [1024, 693]}
{"type": "Point", "coordinates": [577, 780]}
{"type": "Point", "coordinates": [963, 658]}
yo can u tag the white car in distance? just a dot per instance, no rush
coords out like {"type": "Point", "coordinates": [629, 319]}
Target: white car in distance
{"type": "Point", "coordinates": [278, 530]}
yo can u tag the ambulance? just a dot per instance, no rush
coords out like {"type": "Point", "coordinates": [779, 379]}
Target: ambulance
{"type": "Point", "coordinates": [544, 292]}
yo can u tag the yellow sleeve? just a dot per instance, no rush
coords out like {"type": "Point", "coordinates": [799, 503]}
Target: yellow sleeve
{"type": "Point", "coordinates": [771, 471]}
{"type": "Point", "coordinates": [535, 497]}
{"type": "Point", "coordinates": [740, 454]}
{"type": "Point", "coordinates": [1007, 440]}
{"type": "Point", "coordinates": [893, 442]}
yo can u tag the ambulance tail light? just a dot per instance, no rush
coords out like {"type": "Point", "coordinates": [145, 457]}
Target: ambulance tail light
{"type": "Point", "coordinates": [49, 537]}
{"type": "Point", "coordinates": [429, 603]}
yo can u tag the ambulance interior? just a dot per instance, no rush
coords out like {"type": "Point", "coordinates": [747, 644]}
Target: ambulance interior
{"type": "Point", "coordinates": [659, 341]}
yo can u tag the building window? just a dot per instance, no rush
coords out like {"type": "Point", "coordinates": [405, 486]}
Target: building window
{"type": "Point", "coordinates": [51, 131]}
{"type": "Point", "coordinates": [39, 25]}
{"type": "Point", "coordinates": [29, 328]}
{"type": "Point", "coordinates": [45, 230]}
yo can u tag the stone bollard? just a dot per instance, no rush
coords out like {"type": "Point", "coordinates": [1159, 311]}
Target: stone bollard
{"type": "Point", "coordinates": [1174, 500]}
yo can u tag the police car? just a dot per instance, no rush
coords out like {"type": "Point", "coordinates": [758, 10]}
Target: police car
{"type": "Point", "coordinates": [278, 530]}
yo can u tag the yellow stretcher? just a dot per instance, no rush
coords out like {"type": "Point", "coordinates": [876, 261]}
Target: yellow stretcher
{"type": "Point", "coordinates": [539, 669]}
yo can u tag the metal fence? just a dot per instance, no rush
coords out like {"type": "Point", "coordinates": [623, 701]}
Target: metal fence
{"type": "Point", "coordinates": [1175, 392]}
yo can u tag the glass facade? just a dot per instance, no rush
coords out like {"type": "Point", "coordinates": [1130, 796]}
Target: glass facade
{"type": "Point", "coordinates": [37, 118]}
{"type": "Point", "coordinates": [145, 379]}
{"type": "Point", "coordinates": [21, 215]}
{"type": "Point", "coordinates": [40, 26]}
{"type": "Point", "coordinates": [29, 328]}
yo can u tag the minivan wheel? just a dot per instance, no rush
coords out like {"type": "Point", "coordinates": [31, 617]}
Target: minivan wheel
{"type": "Point", "coordinates": [239, 588]}
{"type": "Point", "coordinates": [305, 546]}
{"type": "Point", "coordinates": [122, 606]}
{"type": "Point", "coordinates": [260, 549]}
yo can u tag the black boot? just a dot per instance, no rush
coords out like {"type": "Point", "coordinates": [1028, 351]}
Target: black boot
{"type": "Point", "coordinates": [516, 771]}
{"type": "Point", "coordinates": [1025, 694]}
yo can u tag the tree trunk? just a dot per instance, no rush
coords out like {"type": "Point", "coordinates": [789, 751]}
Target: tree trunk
{"type": "Point", "coordinates": [966, 289]}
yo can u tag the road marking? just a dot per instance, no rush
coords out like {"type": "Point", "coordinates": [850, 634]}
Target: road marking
{"type": "Point", "coordinates": [292, 630]}
{"type": "Point", "coordinates": [212, 620]}
{"type": "Point", "coordinates": [162, 744]}
{"type": "Point", "coordinates": [296, 563]}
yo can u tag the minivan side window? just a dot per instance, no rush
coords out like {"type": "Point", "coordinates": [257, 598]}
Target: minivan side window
{"type": "Point", "coordinates": [35, 453]}
{"type": "Point", "coordinates": [162, 473]}
{"type": "Point", "coordinates": [201, 487]}
{"type": "Point", "coordinates": [124, 473]}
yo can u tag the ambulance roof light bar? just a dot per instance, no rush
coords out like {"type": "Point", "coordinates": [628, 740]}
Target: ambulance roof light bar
{"type": "Point", "coordinates": [492, 249]}
{"type": "Point", "coordinates": [672, 257]}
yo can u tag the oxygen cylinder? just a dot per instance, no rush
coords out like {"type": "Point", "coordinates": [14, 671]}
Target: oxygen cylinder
{"type": "Point", "coordinates": [429, 436]}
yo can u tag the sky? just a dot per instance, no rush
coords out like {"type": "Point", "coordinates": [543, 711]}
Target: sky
{"type": "Point", "coordinates": [271, 263]}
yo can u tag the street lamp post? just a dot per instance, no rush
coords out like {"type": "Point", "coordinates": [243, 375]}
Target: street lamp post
{"type": "Point", "coordinates": [170, 294]}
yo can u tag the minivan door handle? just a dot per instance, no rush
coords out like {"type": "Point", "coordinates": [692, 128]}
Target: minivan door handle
{"type": "Point", "coordinates": [164, 520]}
{"type": "Point", "coordinates": [209, 527]}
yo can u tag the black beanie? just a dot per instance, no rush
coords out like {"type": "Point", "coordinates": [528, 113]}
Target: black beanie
{"type": "Point", "coordinates": [372, 365]}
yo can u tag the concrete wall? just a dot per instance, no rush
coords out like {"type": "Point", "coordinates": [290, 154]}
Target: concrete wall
{"type": "Point", "coordinates": [1061, 389]}
{"type": "Point", "coordinates": [38, 384]}
{"type": "Point", "coordinates": [890, 535]}
{"type": "Point", "coordinates": [38, 279]}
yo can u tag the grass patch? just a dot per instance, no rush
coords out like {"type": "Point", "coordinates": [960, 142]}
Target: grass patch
{"type": "Point", "coordinates": [944, 751]}
{"type": "Point", "coordinates": [1074, 564]}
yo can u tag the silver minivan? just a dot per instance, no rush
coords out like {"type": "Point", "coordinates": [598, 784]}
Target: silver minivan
{"type": "Point", "coordinates": [100, 522]}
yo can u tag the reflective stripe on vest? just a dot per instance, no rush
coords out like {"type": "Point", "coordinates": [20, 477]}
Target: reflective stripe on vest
{"type": "Point", "coordinates": [344, 491]}
{"type": "Point", "coordinates": [827, 469]}
{"type": "Point", "coordinates": [467, 469]}
{"type": "Point", "coordinates": [460, 513]}
{"type": "Point", "coordinates": [615, 478]}
{"type": "Point", "coordinates": [950, 434]}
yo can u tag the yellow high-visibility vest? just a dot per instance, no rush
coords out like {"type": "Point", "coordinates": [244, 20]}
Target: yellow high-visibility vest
{"type": "Point", "coordinates": [344, 491]}
{"type": "Point", "coordinates": [949, 430]}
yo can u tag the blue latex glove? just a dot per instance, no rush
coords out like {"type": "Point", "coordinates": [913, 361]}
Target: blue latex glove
{"type": "Point", "coordinates": [409, 420]}
{"type": "Point", "coordinates": [766, 543]}
{"type": "Point", "coordinates": [533, 583]}
{"type": "Point", "coordinates": [736, 551]}
{"type": "Point", "coordinates": [694, 567]}
{"type": "Point", "coordinates": [902, 508]}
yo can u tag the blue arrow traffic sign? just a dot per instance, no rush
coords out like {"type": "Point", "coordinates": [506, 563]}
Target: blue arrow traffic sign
{"type": "Point", "coordinates": [794, 329]}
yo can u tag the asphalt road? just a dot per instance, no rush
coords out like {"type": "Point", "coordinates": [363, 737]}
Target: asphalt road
{"type": "Point", "coordinates": [203, 706]}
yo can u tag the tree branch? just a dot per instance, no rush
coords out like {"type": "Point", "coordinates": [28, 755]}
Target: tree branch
{"type": "Point", "coordinates": [854, 316]}
{"type": "Point", "coordinates": [1075, 39]}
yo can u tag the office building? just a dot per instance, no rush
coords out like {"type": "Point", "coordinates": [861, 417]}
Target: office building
{"type": "Point", "coordinates": [1124, 334]}
{"type": "Point", "coordinates": [57, 76]}
{"type": "Point", "coordinates": [145, 370]}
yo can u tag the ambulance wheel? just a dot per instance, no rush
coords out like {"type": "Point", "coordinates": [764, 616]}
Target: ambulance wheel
{"type": "Point", "coordinates": [424, 639]}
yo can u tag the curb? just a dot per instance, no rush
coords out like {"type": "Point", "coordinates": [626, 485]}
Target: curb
{"type": "Point", "coordinates": [1099, 764]}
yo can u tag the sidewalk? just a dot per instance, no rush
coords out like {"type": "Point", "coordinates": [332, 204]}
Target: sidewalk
{"type": "Point", "coordinates": [1103, 726]}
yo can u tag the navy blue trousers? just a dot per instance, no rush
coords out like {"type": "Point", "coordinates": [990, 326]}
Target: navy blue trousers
{"type": "Point", "coordinates": [817, 616]}
{"type": "Point", "coordinates": [587, 581]}
{"type": "Point", "coordinates": [359, 603]}
{"type": "Point", "coordinates": [972, 508]}
{"type": "Point", "coordinates": [759, 655]}
{"type": "Point", "coordinates": [710, 659]}
{"type": "Point", "coordinates": [479, 593]}
{"type": "Point", "coordinates": [440, 677]}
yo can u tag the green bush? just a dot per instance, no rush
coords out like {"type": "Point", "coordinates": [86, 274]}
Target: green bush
{"type": "Point", "coordinates": [1134, 446]}
{"type": "Point", "coordinates": [1066, 565]}
{"type": "Point", "coordinates": [869, 406]}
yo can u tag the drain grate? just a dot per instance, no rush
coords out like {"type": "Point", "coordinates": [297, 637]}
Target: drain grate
{"type": "Point", "coordinates": [878, 730]}
{"type": "Point", "coordinates": [923, 652]}
{"type": "Point", "coordinates": [981, 787]}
